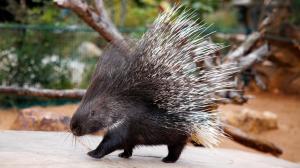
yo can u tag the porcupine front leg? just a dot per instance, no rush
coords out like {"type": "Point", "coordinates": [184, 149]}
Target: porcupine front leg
{"type": "Point", "coordinates": [110, 143]}
{"type": "Point", "coordinates": [174, 153]}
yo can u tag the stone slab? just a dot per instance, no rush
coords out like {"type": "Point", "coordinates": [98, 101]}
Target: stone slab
{"type": "Point", "coordinates": [20, 149]}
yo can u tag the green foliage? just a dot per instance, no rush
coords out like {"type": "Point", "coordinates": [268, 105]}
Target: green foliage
{"type": "Point", "coordinates": [295, 17]}
{"type": "Point", "coordinates": [30, 48]}
{"type": "Point", "coordinates": [138, 17]}
{"type": "Point", "coordinates": [41, 12]}
{"type": "Point", "coordinates": [38, 57]}
{"type": "Point", "coordinates": [202, 6]}
{"type": "Point", "coordinates": [135, 16]}
{"type": "Point", "coordinates": [222, 20]}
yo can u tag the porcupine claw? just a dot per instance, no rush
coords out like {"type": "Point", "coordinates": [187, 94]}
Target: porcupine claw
{"type": "Point", "coordinates": [95, 154]}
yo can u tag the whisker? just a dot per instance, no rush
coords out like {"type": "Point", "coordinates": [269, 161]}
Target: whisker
{"type": "Point", "coordinates": [83, 144]}
{"type": "Point", "coordinates": [88, 141]}
{"type": "Point", "coordinates": [66, 137]}
{"type": "Point", "coordinates": [73, 137]}
{"type": "Point", "coordinates": [86, 145]}
{"type": "Point", "coordinates": [75, 141]}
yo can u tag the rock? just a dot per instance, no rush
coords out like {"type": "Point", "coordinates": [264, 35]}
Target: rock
{"type": "Point", "coordinates": [286, 57]}
{"type": "Point", "coordinates": [55, 149]}
{"type": "Point", "coordinates": [295, 84]}
{"type": "Point", "coordinates": [252, 121]}
{"type": "Point", "coordinates": [89, 49]}
{"type": "Point", "coordinates": [39, 120]}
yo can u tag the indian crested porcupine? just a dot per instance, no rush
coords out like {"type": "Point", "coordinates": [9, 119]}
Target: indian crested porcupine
{"type": "Point", "coordinates": [154, 94]}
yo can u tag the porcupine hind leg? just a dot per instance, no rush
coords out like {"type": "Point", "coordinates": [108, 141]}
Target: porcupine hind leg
{"type": "Point", "coordinates": [174, 153]}
{"type": "Point", "coordinates": [127, 153]}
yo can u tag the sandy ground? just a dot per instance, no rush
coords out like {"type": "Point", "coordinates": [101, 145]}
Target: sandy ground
{"type": "Point", "coordinates": [286, 107]}
{"type": "Point", "coordinates": [287, 136]}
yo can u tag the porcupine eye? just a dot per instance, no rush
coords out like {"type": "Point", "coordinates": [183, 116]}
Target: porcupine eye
{"type": "Point", "coordinates": [92, 113]}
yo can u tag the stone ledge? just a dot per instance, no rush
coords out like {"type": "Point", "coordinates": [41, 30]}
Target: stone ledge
{"type": "Point", "coordinates": [20, 149]}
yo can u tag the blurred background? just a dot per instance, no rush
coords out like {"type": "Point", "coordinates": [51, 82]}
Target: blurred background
{"type": "Point", "coordinates": [44, 45]}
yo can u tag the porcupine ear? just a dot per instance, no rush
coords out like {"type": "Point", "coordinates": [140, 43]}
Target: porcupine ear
{"type": "Point", "coordinates": [174, 44]}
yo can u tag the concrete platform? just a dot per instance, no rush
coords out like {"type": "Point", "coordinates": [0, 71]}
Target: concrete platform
{"type": "Point", "coordinates": [21, 149]}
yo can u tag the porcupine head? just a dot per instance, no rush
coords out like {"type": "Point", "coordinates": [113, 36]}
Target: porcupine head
{"type": "Point", "coordinates": [159, 70]}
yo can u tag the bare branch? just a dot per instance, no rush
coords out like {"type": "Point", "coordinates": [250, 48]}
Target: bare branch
{"type": "Point", "coordinates": [100, 6]}
{"type": "Point", "coordinates": [98, 20]}
{"type": "Point", "coordinates": [255, 56]}
{"type": "Point", "coordinates": [244, 47]}
{"type": "Point", "coordinates": [47, 93]}
{"type": "Point", "coordinates": [249, 141]}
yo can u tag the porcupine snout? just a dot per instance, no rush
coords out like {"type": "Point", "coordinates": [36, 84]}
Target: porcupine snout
{"type": "Point", "coordinates": [76, 127]}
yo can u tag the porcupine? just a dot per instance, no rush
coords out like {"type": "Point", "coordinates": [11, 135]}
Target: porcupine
{"type": "Point", "coordinates": [153, 94]}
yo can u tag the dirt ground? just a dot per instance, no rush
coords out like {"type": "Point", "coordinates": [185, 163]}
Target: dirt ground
{"type": "Point", "coordinates": [286, 107]}
{"type": "Point", "coordinates": [287, 136]}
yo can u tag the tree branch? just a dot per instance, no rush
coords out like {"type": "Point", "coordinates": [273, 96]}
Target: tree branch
{"type": "Point", "coordinates": [97, 19]}
{"type": "Point", "coordinates": [255, 56]}
{"type": "Point", "coordinates": [47, 93]}
{"type": "Point", "coordinates": [244, 47]}
{"type": "Point", "coordinates": [249, 141]}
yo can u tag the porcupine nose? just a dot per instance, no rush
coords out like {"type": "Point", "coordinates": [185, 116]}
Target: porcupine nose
{"type": "Point", "coordinates": [75, 128]}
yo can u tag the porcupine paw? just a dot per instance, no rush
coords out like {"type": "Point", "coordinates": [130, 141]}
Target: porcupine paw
{"type": "Point", "coordinates": [125, 155]}
{"type": "Point", "coordinates": [95, 154]}
{"type": "Point", "coordinates": [169, 159]}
